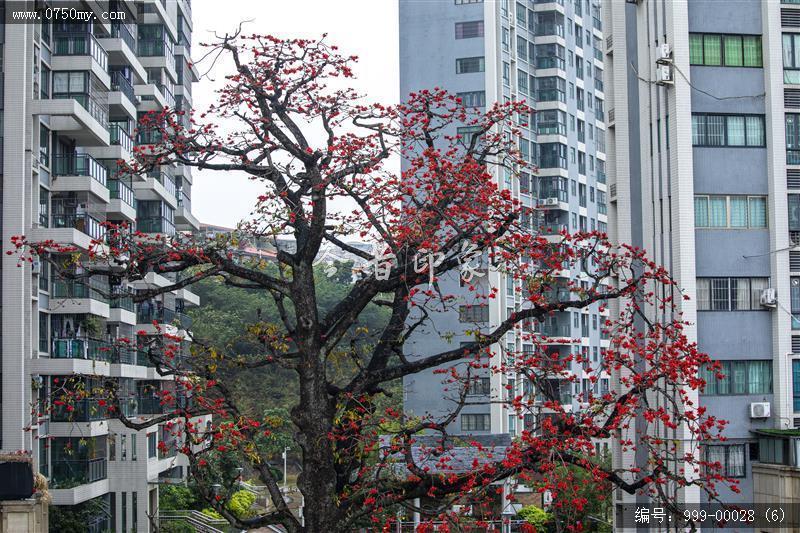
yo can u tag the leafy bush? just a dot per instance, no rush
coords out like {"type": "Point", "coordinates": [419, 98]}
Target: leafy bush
{"type": "Point", "coordinates": [211, 513]}
{"type": "Point", "coordinates": [178, 498]}
{"type": "Point", "coordinates": [176, 526]}
{"type": "Point", "coordinates": [240, 504]}
{"type": "Point", "coordinates": [535, 516]}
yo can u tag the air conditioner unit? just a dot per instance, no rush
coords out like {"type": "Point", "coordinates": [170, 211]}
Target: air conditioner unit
{"type": "Point", "coordinates": [759, 410]}
{"type": "Point", "coordinates": [664, 54]}
{"type": "Point", "coordinates": [548, 201]}
{"type": "Point", "coordinates": [769, 297]}
{"type": "Point", "coordinates": [36, 266]}
{"type": "Point", "coordinates": [664, 75]}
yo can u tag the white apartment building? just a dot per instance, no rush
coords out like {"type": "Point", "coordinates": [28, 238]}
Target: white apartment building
{"type": "Point", "coordinates": [70, 95]}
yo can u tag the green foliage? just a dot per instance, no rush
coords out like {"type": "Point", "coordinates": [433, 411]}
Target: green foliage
{"type": "Point", "coordinates": [178, 498]}
{"type": "Point", "coordinates": [535, 516]}
{"type": "Point", "coordinates": [176, 526]}
{"type": "Point", "coordinates": [240, 504]}
{"type": "Point", "coordinates": [74, 518]}
{"type": "Point", "coordinates": [211, 513]}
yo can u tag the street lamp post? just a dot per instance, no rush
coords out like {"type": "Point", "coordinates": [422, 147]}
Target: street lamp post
{"type": "Point", "coordinates": [285, 449]}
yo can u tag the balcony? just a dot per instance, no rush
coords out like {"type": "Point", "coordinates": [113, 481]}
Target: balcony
{"type": "Point", "coordinates": [121, 31]}
{"type": "Point", "coordinates": [82, 410]}
{"type": "Point", "coordinates": [150, 405]}
{"type": "Point", "coordinates": [84, 223]}
{"type": "Point", "coordinates": [81, 348]}
{"type": "Point", "coordinates": [551, 95]}
{"type": "Point", "coordinates": [550, 62]}
{"type": "Point", "coordinates": [601, 177]}
{"type": "Point", "coordinates": [551, 128]}
{"type": "Point", "coordinates": [164, 179]}
{"type": "Point", "coordinates": [98, 111]}
{"type": "Point", "coordinates": [79, 165]}
{"type": "Point", "coordinates": [122, 191]}
{"type": "Point", "coordinates": [158, 49]}
{"type": "Point", "coordinates": [80, 44]}
{"type": "Point", "coordinates": [120, 137]}
{"type": "Point", "coordinates": [147, 314]}
{"type": "Point", "coordinates": [120, 83]}
{"type": "Point", "coordinates": [555, 330]}
{"type": "Point", "coordinates": [67, 474]}
{"type": "Point", "coordinates": [159, 225]}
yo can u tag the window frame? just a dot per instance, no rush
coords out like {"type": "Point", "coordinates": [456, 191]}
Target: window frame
{"type": "Point", "coordinates": [705, 301]}
{"type": "Point", "coordinates": [725, 143]}
{"type": "Point", "coordinates": [726, 468]}
{"type": "Point", "coordinates": [722, 56]}
{"type": "Point", "coordinates": [728, 198]}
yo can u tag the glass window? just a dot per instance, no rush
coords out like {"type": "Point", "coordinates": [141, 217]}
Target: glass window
{"type": "Point", "coordinates": [796, 385]}
{"type": "Point", "coordinates": [467, 65]}
{"type": "Point", "coordinates": [738, 207]}
{"type": "Point", "coordinates": [695, 49]}
{"type": "Point", "coordinates": [718, 214]}
{"type": "Point", "coordinates": [469, 30]}
{"type": "Point", "coordinates": [715, 130]}
{"type": "Point", "coordinates": [752, 51]}
{"type": "Point", "coordinates": [755, 130]}
{"type": "Point", "coordinates": [757, 211]}
{"type": "Point", "coordinates": [473, 422]}
{"type": "Point", "coordinates": [733, 50]}
{"type": "Point", "coordinates": [736, 135]}
{"type": "Point", "coordinates": [794, 212]}
{"type": "Point", "coordinates": [712, 50]}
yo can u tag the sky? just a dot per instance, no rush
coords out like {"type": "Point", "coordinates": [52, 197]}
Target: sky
{"type": "Point", "coordinates": [365, 28]}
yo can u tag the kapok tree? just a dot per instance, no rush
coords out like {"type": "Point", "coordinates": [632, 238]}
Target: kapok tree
{"type": "Point", "coordinates": [286, 119]}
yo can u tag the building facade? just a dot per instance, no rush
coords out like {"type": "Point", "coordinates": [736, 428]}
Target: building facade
{"type": "Point", "coordinates": [549, 54]}
{"type": "Point", "coordinates": [703, 173]}
{"type": "Point", "coordinates": [71, 94]}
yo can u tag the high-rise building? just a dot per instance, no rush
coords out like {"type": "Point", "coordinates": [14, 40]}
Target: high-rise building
{"type": "Point", "coordinates": [702, 105]}
{"type": "Point", "coordinates": [549, 54]}
{"type": "Point", "coordinates": [71, 94]}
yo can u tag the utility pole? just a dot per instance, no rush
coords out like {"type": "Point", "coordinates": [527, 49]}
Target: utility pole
{"type": "Point", "coordinates": [285, 449]}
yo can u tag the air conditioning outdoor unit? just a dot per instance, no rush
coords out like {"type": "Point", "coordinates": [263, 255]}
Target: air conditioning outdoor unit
{"type": "Point", "coordinates": [759, 410]}
{"type": "Point", "coordinates": [549, 201]}
{"type": "Point", "coordinates": [664, 54]}
{"type": "Point", "coordinates": [36, 266]}
{"type": "Point", "coordinates": [769, 297]}
{"type": "Point", "coordinates": [664, 75]}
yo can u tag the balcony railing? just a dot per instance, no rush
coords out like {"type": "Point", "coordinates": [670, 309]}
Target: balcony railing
{"type": "Point", "coordinates": [68, 288]}
{"type": "Point", "coordinates": [80, 44]}
{"type": "Point", "coordinates": [90, 104]}
{"type": "Point", "coordinates": [122, 191]}
{"type": "Point", "coordinates": [149, 405]}
{"type": "Point", "coordinates": [550, 62]}
{"type": "Point", "coordinates": [72, 473]}
{"type": "Point", "coordinates": [146, 314]}
{"type": "Point", "coordinates": [183, 200]}
{"type": "Point", "coordinates": [120, 83]}
{"type": "Point", "coordinates": [157, 48]}
{"type": "Point", "coordinates": [552, 229]}
{"type": "Point", "coordinates": [82, 410]}
{"type": "Point", "coordinates": [81, 348]}
{"type": "Point", "coordinates": [122, 302]}
{"type": "Point", "coordinates": [184, 320]}
{"type": "Point", "coordinates": [164, 179]}
{"type": "Point", "coordinates": [551, 128]}
{"type": "Point", "coordinates": [81, 222]}
{"type": "Point", "coordinates": [155, 225]}
{"type": "Point", "coordinates": [120, 137]}
{"type": "Point", "coordinates": [169, 98]}
{"type": "Point", "coordinates": [551, 95]}
{"type": "Point", "coordinates": [121, 31]}
{"type": "Point", "coordinates": [79, 165]}
{"type": "Point", "coordinates": [550, 29]}
{"type": "Point", "coordinates": [125, 355]}
{"type": "Point", "coordinates": [555, 330]}
{"type": "Point", "coordinates": [547, 193]}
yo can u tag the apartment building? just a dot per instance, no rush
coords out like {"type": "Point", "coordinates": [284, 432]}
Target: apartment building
{"type": "Point", "coordinates": [704, 174]}
{"type": "Point", "coordinates": [549, 54]}
{"type": "Point", "coordinates": [71, 94]}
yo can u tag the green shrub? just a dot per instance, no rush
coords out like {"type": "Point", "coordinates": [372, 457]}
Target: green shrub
{"type": "Point", "coordinates": [535, 516]}
{"type": "Point", "coordinates": [240, 504]}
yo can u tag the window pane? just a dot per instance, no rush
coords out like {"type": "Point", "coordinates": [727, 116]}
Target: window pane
{"type": "Point", "coordinates": [711, 381]}
{"type": "Point", "coordinates": [724, 382]}
{"type": "Point", "coordinates": [738, 212]}
{"type": "Point", "coordinates": [701, 212]}
{"type": "Point", "coordinates": [695, 49]}
{"type": "Point", "coordinates": [752, 51]}
{"type": "Point", "coordinates": [758, 212]}
{"type": "Point", "coordinates": [787, 51]}
{"type": "Point", "coordinates": [719, 294]}
{"type": "Point", "coordinates": [794, 212]}
{"type": "Point", "coordinates": [698, 130]}
{"type": "Point", "coordinates": [718, 216]}
{"type": "Point", "coordinates": [715, 130]}
{"type": "Point", "coordinates": [740, 294]}
{"type": "Point", "coordinates": [735, 131]}
{"type": "Point", "coordinates": [739, 377]}
{"type": "Point", "coordinates": [735, 467]}
{"type": "Point", "coordinates": [703, 294]}
{"type": "Point", "coordinates": [755, 131]}
{"type": "Point", "coordinates": [757, 286]}
{"type": "Point", "coordinates": [713, 49]}
{"type": "Point", "coordinates": [733, 51]}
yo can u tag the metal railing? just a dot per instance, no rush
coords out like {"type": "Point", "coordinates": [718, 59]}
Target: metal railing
{"type": "Point", "coordinates": [72, 473]}
{"type": "Point", "coordinates": [120, 83]}
{"type": "Point", "coordinates": [165, 91]}
{"type": "Point", "coordinates": [155, 225]}
{"type": "Point", "coordinates": [98, 111]}
{"type": "Point", "coordinates": [122, 191]}
{"type": "Point", "coordinates": [197, 520]}
{"type": "Point", "coordinates": [69, 288]}
{"type": "Point", "coordinates": [121, 31]}
{"type": "Point", "coordinates": [555, 330]}
{"type": "Point", "coordinates": [80, 348]}
{"type": "Point", "coordinates": [80, 44]}
{"type": "Point", "coordinates": [122, 302]}
{"type": "Point", "coordinates": [551, 128]}
{"type": "Point", "coordinates": [82, 410]}
{"type": "Point", "coordinates": [552, 229]}
{"type": "Point", "coordinates": [147, 314]}
{"type": "Point", "coordinates": [79, 165]}
{"type": "Point", "coordinates": [164, 179]}
{"type": "Point", "coordinates": [120, 137]}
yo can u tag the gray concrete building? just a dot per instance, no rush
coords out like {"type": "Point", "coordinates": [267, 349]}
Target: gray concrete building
{"type": "Point", "coordinates": [702, 102]}
{"type": "Point", "coordinates": [549, 54]}
{"type": "Point", "coordinates": [71, 93]}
